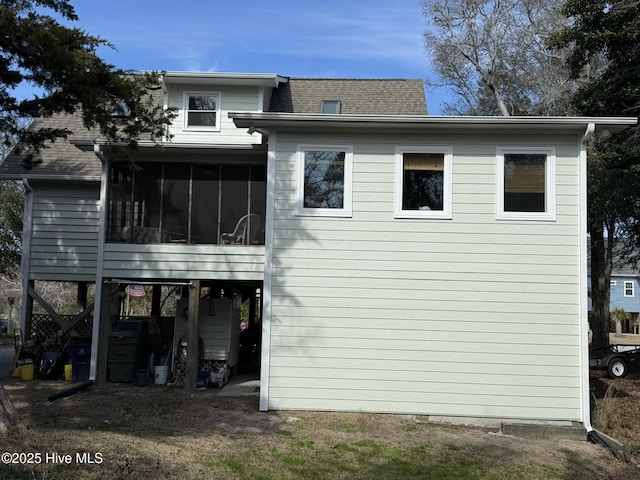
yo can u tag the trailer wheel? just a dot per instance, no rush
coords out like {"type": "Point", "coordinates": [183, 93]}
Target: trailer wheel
{"type": "Point", "coordinates": [617, 368]}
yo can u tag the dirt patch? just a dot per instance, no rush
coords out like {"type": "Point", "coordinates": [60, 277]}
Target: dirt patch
{"type": "Point", "coordinates": [163, 432]}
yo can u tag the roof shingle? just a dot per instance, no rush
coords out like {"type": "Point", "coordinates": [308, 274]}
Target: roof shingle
{"type": "Point", "coordinates": [357, 96]}
{"type": "Point", "coordinates": [299, 95]}
{"type": "Point", "coordinates": [59, 158]}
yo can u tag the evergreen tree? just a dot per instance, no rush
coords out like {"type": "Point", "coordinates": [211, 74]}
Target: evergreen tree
{"type": "Point", "coordinates": [40, 52]}
{"type": "Point", "coordinates": [608, 32]}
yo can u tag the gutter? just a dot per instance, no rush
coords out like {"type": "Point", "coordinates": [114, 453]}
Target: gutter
{"type": "Point", "coordinates": [51, 178]}
{"type": "Point", "coordinates": [222, 78]}
{"type": "Point", "coordinates": [307, 120]}
{"type": "Point", "coordinates": [98, 153]}
{"type": "Point", "coordinates": [89, 146]}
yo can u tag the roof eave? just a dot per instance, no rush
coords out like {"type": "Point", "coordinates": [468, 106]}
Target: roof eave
{"type": "Point", "coordinates": [89, 145]}
{"type": "Point", "coordinates": [266, 120]}
{"type": "Point", "coordinates": [50, 177]}
{"type": "Point", "coordinates": [220, 78]}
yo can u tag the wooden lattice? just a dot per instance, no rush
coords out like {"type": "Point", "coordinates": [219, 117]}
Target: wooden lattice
{"type": "Point", "coordinates": [44, 326]}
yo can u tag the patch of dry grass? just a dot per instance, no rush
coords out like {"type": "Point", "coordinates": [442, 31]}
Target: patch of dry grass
{"type": "Point", "coordinates": [162, 432]}
{"type": "Point", "coordinates": [617, 407]}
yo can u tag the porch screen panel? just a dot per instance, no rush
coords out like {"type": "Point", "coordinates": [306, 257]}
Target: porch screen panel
{"type": "Point", "coordinates": [175, 202]}
{"type": "Point", "coordinates": [204, 203]}
{"type": "Point", "coordinates": [234, 195]}
{"type": "Point", "coordinates": [120, 189]}
{"type": "Point", "coordinates": [146, 209]}
{"type": "Point", "coordinates": [258, 198]}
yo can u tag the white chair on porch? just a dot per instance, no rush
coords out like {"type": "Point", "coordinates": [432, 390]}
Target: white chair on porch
{"type": "Point", "coordinates": [245, 232]}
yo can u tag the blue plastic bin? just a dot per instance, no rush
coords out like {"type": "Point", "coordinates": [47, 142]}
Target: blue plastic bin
{"type": "Point", "coordinates": [80, 354]}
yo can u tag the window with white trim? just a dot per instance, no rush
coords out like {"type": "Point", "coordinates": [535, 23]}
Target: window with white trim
{"type": "Point", "coordinates": [628, 289]}
{"type": "Point", "coordinates": [324, 180]}
{"type": "Point", "coordinates": [526, 183]}
{"type": "Point", "coordinates": [202, 111]}
{"type": "Point", "coordinates": [423, 181]}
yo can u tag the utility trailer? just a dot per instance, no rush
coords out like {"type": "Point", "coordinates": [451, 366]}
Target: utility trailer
{"type": "Point", "coordinates": [616, 359]}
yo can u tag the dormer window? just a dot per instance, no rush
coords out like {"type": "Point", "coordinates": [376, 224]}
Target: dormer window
{"type": "Point", "coordinates": [202, 111]}
{"type": "Point", "coordinates": [331, 106]}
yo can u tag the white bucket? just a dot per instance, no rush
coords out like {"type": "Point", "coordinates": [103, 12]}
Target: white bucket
{"type": "Point", "coordinates": [160, 373]}
{"type": "Point", "coordinates": [216, 378]}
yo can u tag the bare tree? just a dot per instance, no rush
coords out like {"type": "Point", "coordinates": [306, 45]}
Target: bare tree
{"type": "Point", "coordinates": [493, 55]}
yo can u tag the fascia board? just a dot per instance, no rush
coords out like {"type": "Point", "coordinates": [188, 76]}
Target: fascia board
{"type": "Point", "coordinates": [578, 124]}
{"type": "Point", "coordinates": [88, 146]}
{"type": "Point", "coordinates": [50, 178]}
{"type": "Point", "coordinates": [218, 78]}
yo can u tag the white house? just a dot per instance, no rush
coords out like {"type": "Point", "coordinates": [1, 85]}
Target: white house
{"type": "Point", "coordinates": [399, 262]}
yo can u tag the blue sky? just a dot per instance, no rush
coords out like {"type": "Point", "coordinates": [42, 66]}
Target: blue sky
{"type": "Point", "coordinates": [329, 38]}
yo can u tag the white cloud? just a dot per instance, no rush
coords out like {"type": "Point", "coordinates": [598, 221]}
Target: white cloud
{"type": "Point", "coordinates": [326, 36]}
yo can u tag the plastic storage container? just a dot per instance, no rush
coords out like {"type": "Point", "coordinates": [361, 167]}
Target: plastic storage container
{"type": "Point", "coordinates": [123, 356]}
{"type": "Point", "coordinates": [80, 356]}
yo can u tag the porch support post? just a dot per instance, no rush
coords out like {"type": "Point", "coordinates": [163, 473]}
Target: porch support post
{"type": "Point", "coordinates": [81, 297]}
{"type": "Point", "coordinates": [27, 312]}
{"type": "Point", "coordinates": [193, 338]}
{"type": "Point", "coordinates": [102, 340]}
{"type": "Point", "coordinates": [156, 293]}
{"type": "Point", "coordinates": [26, 318]}
{"type": "Point", "coordinates": [252, 307]}
{"type": "Point", "coordinates": [101, 324]}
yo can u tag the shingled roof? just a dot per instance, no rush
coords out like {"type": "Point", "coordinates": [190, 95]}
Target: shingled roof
{"type": "Point", "coordinates": [299, 95]}
{"type": "Point", "coordinates": [59, 158]}
{"type": "Point", "coordinates": [356, 96]}
{"type": "Point", "coordinates": [62, 159]}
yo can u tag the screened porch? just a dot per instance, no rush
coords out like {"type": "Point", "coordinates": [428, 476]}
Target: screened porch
{"type": "Point", "coordinates": [186, 203]}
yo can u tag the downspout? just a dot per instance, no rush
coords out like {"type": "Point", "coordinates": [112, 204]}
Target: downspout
{"type": "Point", "coordinates": [97, 304]}
{"type": "Point", "coordinates": [25, 261]}
{"type": "Point", "coordinates": [584, 315]}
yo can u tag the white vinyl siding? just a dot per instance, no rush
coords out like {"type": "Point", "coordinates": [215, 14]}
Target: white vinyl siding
{"type": "Point", "coordinates": [464, 316]}
{"type": "Point", "coordinates": [64, 240]}
{"type": "Point", "coordinates": [195, 262]}
{"type": "Point", "coordinates": [232, 99]}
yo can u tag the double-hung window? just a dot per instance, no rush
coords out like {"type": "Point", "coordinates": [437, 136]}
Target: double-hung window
{"type": "Point", "coordinates": [202, 111]}
{"type": "Point", "coordinates": [526, 183]}
{"type": "Point", "coordinates": [324, 180]}
{"type": "Point", "coordinates": [423, 182]}
{"type": "Point", "coordinates": [628, 289]}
